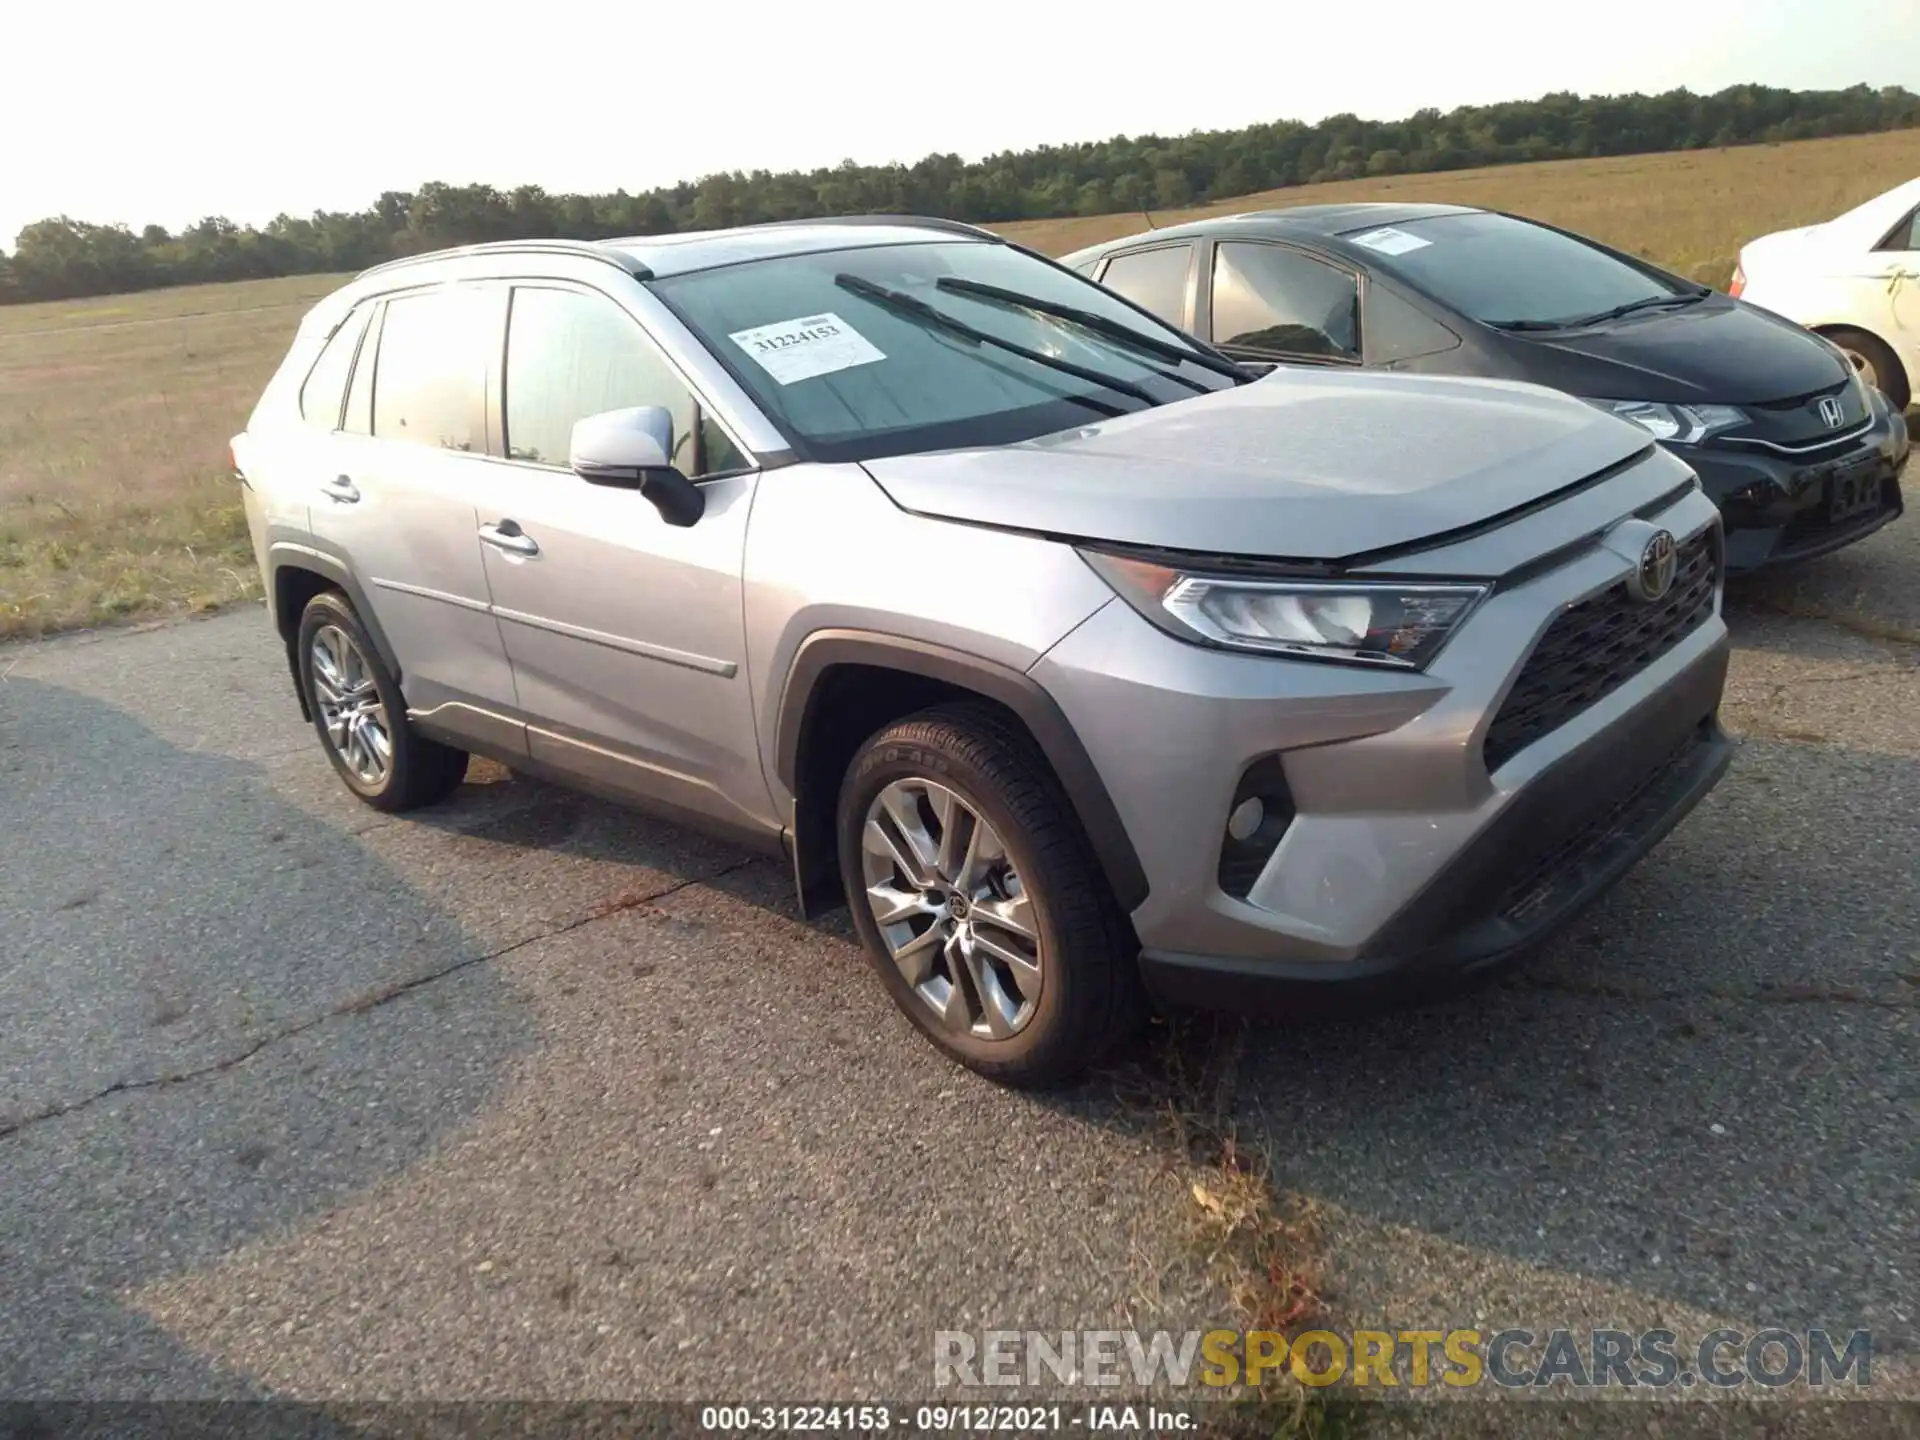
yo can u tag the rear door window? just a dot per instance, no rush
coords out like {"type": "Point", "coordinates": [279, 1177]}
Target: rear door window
{"type": "Point", "coordinates": [1277, 301]}
{"type": "Point", "coordinates": [1155, 280]}
{"type": "Point", "coordinates": [429, 387]}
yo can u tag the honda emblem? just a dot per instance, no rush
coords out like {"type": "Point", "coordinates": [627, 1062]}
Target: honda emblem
{"type": "Point", "coordinates": [1830, 411]}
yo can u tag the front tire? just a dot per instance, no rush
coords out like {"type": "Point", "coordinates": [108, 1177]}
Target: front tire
{"type": "Point", "coordinates": [979, 901]}
{"type": "Point", "coordinates": [361, 716]}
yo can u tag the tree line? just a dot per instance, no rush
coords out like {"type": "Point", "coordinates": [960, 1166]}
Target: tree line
{"type": "Point", "coordinates": [60, 258]}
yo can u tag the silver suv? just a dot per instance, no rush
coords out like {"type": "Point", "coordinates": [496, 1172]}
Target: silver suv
{"type": "Point", "coordinates": [1089, 667]}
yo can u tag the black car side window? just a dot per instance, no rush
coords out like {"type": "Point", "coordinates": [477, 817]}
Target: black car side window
{"type": "Point", "coordinates": [1396, 330]}
{"type": "Point", "coordinates": [1155, 280]}
{"type": "Point", "coordinates": [1281, 302]}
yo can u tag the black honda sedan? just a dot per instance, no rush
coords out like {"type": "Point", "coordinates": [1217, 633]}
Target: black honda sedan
{"type": "Point", "coordinates": [1801, 456]}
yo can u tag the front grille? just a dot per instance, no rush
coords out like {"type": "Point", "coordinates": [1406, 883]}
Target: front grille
{"type": "Point", "coordinates": [1596, 646]}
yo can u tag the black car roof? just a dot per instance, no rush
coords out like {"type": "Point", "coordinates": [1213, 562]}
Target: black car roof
{"type": "Point", "coordinates": [1314, 220]}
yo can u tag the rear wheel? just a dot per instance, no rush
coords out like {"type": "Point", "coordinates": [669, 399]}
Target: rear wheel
{"type": "Point", "coordinates": [979, 901]}
{"type": "Point", "coordinates": [361, 716]}
{"type": "Point", "coordinates": [1877, 364]}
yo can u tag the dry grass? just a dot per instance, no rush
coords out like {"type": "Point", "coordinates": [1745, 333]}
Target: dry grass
{"type": "Point", "coordinates": [1690, 211]}
{"type": "Point", "coordinates": [115, 412]}
{"type": "Point", "coordinates": [1259, 1246]}
{"type": "Point", "coordinates": [115, 496]}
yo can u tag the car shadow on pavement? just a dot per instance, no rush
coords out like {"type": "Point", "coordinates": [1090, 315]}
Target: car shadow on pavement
{"type": "Point", "coordinates": [1697, 1092]}
{"type": "Point", "coordinates": [200, 1041]}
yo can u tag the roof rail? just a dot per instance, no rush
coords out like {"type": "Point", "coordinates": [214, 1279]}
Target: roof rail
{"type": "Point", "coordinates": [583, 249]}
{"type": "Point", "coordinates": [925, 222]}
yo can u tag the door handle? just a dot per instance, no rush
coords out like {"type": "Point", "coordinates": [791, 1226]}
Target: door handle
{"type": "Point", "coordinates": [341, 489]}
{"type": "Point", "coordinates": [508, 536]}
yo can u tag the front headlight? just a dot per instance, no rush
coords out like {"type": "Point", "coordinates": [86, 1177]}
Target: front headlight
{"type": "Point", "coordinates": [1365, 622]}
{"type": "Point", "coordinates": [1675, 424]}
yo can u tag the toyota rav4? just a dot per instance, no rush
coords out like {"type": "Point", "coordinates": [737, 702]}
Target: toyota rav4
{"type": "Point", "coordinates": [1089, 668]}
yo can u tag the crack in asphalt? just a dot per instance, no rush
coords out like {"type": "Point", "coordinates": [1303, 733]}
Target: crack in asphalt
{"type": "Point", "coordinates": [1790, 994]}
{"type": "Point", "coordinates": [362, 1003]}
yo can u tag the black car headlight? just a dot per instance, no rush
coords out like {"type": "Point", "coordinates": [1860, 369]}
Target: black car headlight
{"type": "Point", "coordinates": [1368, 622]}
{"type": "Point", "coordinates": [1675, 424]}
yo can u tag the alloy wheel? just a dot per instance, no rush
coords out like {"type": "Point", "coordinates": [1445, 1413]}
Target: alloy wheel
{"type": "Point", "coordinates": [356, 722]}
{"type": "Point", "coordinates": [953, 911]}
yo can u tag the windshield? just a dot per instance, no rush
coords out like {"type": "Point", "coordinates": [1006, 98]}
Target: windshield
{"type": "Point", "coordinates": [1507, 272]}
{"type": "Point", "coordinates": [858, 354]}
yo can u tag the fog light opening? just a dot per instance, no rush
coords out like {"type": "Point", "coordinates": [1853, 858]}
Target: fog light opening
{"type": "Point", "coordinates": [1261, 811]}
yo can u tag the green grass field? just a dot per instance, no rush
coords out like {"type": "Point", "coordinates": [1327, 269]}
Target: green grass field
{"type": "Point", "coordinates": [115, 499]}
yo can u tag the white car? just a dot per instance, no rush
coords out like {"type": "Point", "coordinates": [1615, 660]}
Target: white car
{"type": "Point", "coordinates": [1855, 280]}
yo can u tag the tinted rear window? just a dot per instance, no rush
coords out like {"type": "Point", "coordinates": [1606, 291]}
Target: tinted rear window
{"type": "Point", "coordinates": [1502, 271]}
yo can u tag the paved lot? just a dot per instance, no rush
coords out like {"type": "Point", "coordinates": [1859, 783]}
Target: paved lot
{"type": "Point", "coordinates": [531, 1097]}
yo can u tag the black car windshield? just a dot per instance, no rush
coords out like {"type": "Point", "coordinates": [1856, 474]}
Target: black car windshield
{"type": "Point", "coordinates": [848, 351]}
{"type": "Point", "coordinates": [1510, 273]}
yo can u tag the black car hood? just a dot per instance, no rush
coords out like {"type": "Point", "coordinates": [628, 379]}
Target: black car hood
{"type": "Point", "coordinates": [1715, 351]}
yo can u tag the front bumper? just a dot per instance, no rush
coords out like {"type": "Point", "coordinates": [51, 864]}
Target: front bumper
{"type": "Point", "coordinates": [1405, 855]}
{"type": "Point", "coordinates": [1567, 840]}
{"type": "Point", "coordinates": [1779, 508]}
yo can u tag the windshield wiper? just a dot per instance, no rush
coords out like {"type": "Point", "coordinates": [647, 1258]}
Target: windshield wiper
{"type": "Point", "coordinates": [1100, 325]}
{"type": "Point", "coordinates": [1575, 322]}
{"type": "Point", "coordinates": [940, 320]}
{"type": "Point", "coordinates": [1651, 302]}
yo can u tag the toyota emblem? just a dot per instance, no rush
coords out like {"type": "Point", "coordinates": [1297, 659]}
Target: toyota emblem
{"type": "Point", "coordinates": [1653, 576]}
{"type": "Point", "coordinates": [1830, 411]}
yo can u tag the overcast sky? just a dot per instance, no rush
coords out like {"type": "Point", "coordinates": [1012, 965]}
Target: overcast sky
{"type": "Point", "coordinates": [167, 112]}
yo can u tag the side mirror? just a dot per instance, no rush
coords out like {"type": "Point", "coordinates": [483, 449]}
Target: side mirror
{"type": "Point", "coordinates": [633, 450]}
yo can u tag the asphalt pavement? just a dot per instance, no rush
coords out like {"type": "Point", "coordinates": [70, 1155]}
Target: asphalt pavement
{"type": "Point", "coordinates": [529, 1096]}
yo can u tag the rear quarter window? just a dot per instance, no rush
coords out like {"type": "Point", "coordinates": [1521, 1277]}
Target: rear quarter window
{"type": "Point", "coordinates": [1905, 235]}
{"type": "Point", "coordinates": [325, 390]}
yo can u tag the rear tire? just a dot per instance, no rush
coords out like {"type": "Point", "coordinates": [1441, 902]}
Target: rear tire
{"type": "Point", "coordinates": [979, 900]}
{"type": "Point", "coordinates": [361, 716]}
{"type": "Point", "coordinates": [1877, 364]}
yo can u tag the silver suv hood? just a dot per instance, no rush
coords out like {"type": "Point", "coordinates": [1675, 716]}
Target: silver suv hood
{"type": "Point", "coordinates": [1298, 465]}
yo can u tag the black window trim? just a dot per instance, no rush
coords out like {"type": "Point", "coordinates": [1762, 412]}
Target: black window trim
{"type": "Point", "coordinates": [1358, 273]}
{"type": "Point", "coordinates": [1187, 307]}
{"type": "Point", "coordinates": [497, 381]}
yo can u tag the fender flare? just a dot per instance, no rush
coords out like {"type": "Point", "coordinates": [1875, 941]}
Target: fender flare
{"type": "Point", "coordinates": [302, 555]}
{"type": "Point", "coordinates": [1017, 691]}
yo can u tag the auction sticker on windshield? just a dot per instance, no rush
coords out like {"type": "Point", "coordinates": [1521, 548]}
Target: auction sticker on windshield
{"type": "Point", "coordinates": [1391, 241]}
{"type": "Point", "coordinates": [791, 350]}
